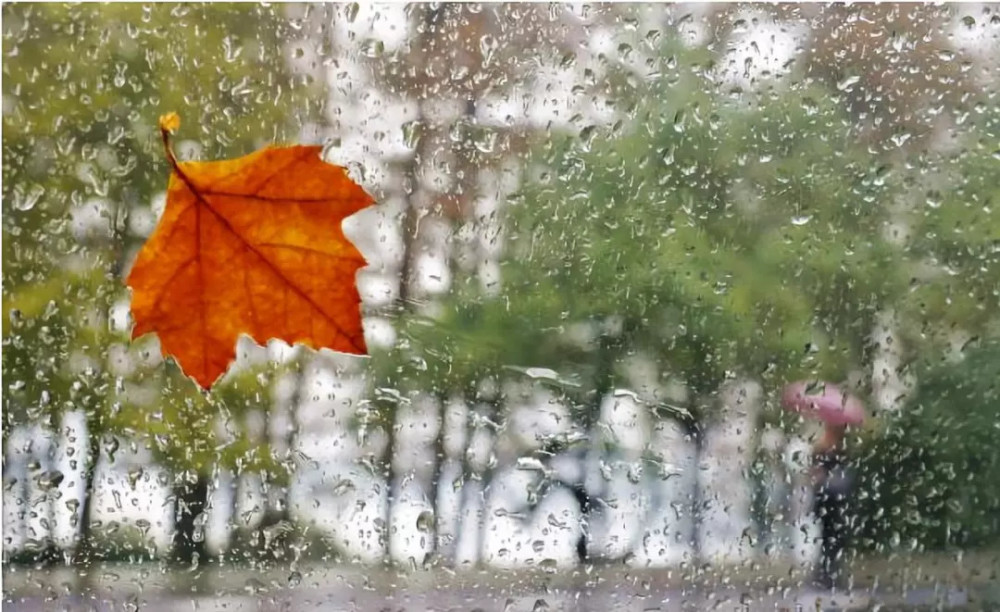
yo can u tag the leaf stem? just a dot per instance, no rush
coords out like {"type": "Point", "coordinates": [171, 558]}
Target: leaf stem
{"type": "Point", "coordinates": [165, 134]}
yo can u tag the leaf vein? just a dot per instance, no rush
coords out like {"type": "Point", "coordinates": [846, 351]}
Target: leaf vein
{"type": "Point", "coordinates": [287, 281]}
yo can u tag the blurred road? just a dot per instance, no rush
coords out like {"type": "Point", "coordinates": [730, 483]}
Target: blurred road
{"type": "Point", "coordinates": [158, 588]}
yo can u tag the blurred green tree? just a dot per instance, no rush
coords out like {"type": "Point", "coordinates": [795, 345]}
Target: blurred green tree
{"type": "Point", "coordinates": [730, 236]}
{"type": "Point", "coordinates": [931, 479]}
{"type": "Point", "coordinates": [83, 164]}
{"type": "Point", "coordinates": [952, 231]}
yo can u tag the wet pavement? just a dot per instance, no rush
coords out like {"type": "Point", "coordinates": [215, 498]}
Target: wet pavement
{"type": "Point", "coordinates": [159, 588]}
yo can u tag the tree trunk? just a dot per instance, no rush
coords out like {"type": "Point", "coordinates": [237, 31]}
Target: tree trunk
{"type": "Point", "coordinates": [50, 553]}
{"type": "Point", "coordinates": [234, 512]}
{"type": "Point", "coordinates": [439, 461]}
{"type": "Point", "coordinates": [694, 429]}
{"type": "Point", "coordinates": [464, 500]}
{"type": "Point", "coordinates": [484, 478]}
{"type": "Point", "coordinates": [190, 502]}
{"type": "Point", "coordinates": [603, 378]}
{"type": "Point", "coordinates": [409, 238]}
{"type": "Point", "coordinates": [85, 550]}
{"type": "Point", "coordinates": [390, 484]}
{"type": "Point", "coordinates": [270, 537]}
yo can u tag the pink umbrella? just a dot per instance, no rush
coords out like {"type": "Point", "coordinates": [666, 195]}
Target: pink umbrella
{"type": "Point", "coordinates": [823, 401]}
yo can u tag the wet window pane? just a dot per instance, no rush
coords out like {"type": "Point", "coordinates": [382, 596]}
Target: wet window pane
{"type": "Point", "coordinates": [666, 307]}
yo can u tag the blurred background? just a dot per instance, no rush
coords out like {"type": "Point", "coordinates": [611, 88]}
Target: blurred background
{"type": "Point", "coordinates": [606, 237]}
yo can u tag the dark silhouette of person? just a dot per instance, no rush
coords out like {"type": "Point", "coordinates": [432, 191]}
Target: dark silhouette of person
{"type": "Point", "coordinates": [832, 483]}
{"type": "Point", "coordinates": [582, 498]}
{"type": "Point", "coordinates": [574, 483]}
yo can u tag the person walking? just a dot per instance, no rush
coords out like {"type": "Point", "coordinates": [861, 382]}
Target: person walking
{"type": "Point", "coordinates": [832, 483]}
{"type": "Point", "coordinates": [832, 477]}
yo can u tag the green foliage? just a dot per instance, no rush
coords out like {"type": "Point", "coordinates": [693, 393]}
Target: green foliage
{"type": "Point", "coordinates": [932, 479]}
{"type": "Point", "coordinates": [741, 240]}
{"type": "Point", "coordinates": [955, 238]}
{"type": "Point", "coordinates": [726, 236]}
{"type": "Point", "coordinates": [86, 85]}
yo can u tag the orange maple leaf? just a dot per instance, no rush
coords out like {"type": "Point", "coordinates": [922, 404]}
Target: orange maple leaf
{"type": "Point", "coordinates": [251, 245]}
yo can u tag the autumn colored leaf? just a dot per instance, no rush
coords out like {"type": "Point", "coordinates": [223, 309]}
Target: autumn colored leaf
{"type": "Point", "coordinates": [252, 246]}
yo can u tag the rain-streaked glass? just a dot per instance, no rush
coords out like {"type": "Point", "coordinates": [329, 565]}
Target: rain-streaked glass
{"type": "Point", "coordinates": [621, 256]}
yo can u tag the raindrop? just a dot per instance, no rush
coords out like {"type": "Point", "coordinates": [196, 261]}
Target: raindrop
{"type": "Point", "coordinates": [119, 78]}
{"type": "Point", "coordinates": [530, 464]}
{"type": "Point", "coordinates": [134, 474]}
{"type": "Point", "coordinates": [27, 201]}
{"type": "Point", "coordinates": [679, 121]}
{"type": "Point", "coordinates": [412, 131]}
{"type": "Point", "coordinates": [372, 48]}
{"type": "Point", "coordinates": [847, 83]}
{"type": "Point", "coordinates": [111, 445]}
{"type": "Point", "coordinates": [425, 521]}
{"type": "Point", "coordinates": [488, 45]}
{"type": "Point", "coordinates": [504, 513]}
{"type": "Point", "coordinates": [900, 138]}
{"type": "Point", "coordinates": [587, 135]}
{"type": "Point", "coordinates": [668, 157]}
{"type": "Point", "coordinates": [343, 487]}
{"type": "Point", "coordinates": [801, 219]}
{"type": "Point", "coordinates": [232, 49]}
{"type": "Point", "coordinates": [351, 11]}
{"type": "Point", "coordinates": [49, 480]}
{"type": "Point", "coordinates": [635, 473]}
{"type": "Point", "coordinates": [487, 141]}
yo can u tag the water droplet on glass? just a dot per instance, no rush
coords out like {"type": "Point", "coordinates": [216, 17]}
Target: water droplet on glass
{"type": "Point", "coordinates": [111, 445]}
{"type": "Point", "coordinates": [679, 121]}
{"type": "Point", "coordinates": [372, 48]}
{"type": "Point", "coordinates": [587, 135]}
{"type": "Point", "coordinates": [343, 487]}
{"type": "Point", "coordinates": [488, 45]}
{"type": "Point", "coordinates": [425, 521]}
{"type": "Point", "coordinates": [412, 131]}
{"type": "Point", "coordinates": [49, 480]}
{"type": "Point", "coordinates": [134, 474]}
{"type": "Point", "coordinates": [351, 11]}
{"type": "Point", "coordinates": [635, 473]}
{"type": "Point", "coordinates": [848, 82]}
{"type": "Point", "coordinates": [487, 141]}
{"type": "Point", "coordinates": [26, 200]}
{"type": "Point", "coordinates": [530, 464]}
